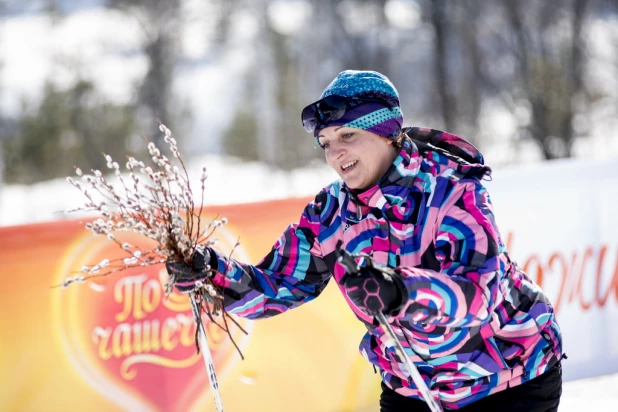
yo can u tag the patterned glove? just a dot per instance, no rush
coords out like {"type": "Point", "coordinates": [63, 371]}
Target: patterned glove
{"type": "Point", "coordinates": [185, 277]}
{"type": "Point", "coordinates": [371, 288]}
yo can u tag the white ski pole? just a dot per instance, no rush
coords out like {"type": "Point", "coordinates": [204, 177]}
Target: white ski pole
{"type": "Point", "coordinates": [416, 376]}
{"type": "Point", "coordinates": [210, 367]}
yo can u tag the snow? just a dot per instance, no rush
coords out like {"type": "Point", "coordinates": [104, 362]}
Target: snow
{"type": "Point", "coordinates": [230, 180]}
{"type": "Point", "coordinates": [592, 394]}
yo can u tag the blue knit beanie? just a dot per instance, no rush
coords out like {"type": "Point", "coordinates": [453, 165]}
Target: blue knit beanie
{"type": "Point", "coordinates": [371, 116]}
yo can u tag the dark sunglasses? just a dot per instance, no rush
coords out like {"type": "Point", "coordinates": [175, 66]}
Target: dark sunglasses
{"type": "Point", "coordinates": [331, 108]}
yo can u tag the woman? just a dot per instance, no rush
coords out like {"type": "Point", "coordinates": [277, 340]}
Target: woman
{"type": "Point", "coordinates": [482, 334]}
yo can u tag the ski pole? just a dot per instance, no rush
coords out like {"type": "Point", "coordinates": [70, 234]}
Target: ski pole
{"type": "Point", "coordinates": [210, 367]}
{"type": "Point", "coordinates": [352, 268]}
{"type": "Point", "coordinates": [416, 376]}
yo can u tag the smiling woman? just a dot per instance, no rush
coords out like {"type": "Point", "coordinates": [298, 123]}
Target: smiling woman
{"type": "Point", "coordinates": [359, 157]}
{"type": "Point", "coordinates": [409, 236]}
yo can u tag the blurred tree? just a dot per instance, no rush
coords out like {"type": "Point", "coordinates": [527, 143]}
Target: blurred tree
{"type": "Point", "coordinates": [53, 10]}
{"type": "Point", "coordinates": [545, 44]}
{"type": "Point", "coordinates": [267, 126]}
{"type": "Point", "coordinates": [267, 88]}
{"type": "Point", "coordinates": [344, 34]}
{"type": "Point", "coordinates": [467, 86]}
{"type": "Point", "coordinates": [448, 60]}
{"type": "Point", "coordinates": [69, 127]}
{"type": "Point", "coordinates": [530, 55]}
{"type": "Point", "coordinates": [441, 25]}
{"type": "Point", "coordinates": [240, 139]}
{"type": "Point", "coordinates": [4, 123]}
{"type": "Point", "coordinates": [223, 15]}
{"type": "Point", "coordinates": [161, 22]}
{"type": "Point", "coordinates": [293, 66]}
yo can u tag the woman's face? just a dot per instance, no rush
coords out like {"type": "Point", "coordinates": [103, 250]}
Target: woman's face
{"type": "Point", "coordinates": [359, 157]}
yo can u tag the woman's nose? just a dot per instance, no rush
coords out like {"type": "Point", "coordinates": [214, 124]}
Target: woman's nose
{"type": "Point", "coordinates": [336, 150]}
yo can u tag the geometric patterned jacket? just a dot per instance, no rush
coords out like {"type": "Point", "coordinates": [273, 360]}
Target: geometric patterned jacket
{"type": "Point", "coordinates": [474, 324]}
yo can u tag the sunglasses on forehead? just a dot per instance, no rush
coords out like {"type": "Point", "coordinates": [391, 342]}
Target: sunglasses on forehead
{"type": "Point", "coordinates": [331, 108]}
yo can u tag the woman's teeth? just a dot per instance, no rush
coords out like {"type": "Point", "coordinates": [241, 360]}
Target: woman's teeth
{"type": "Point", "coordinates": [349, 165]}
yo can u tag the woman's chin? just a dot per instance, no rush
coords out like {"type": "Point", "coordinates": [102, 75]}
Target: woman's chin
{"type": "Point", "coordinates": [355, 185]}
{"type": "Point", "coordinates": [352, 184]}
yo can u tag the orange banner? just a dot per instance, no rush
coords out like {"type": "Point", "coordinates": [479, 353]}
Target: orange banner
{"type": "Point", "coordinates": [120, 344]}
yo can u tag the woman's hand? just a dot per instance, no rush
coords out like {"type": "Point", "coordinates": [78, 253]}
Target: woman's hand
{"type": "Point", "coordinates": [372, 289]}
{"type": "Point", "coordinates": [186, 276]}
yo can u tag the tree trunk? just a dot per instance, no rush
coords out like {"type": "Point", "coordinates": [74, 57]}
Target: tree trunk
{"type": "Point", "coordinates": [440, 24]}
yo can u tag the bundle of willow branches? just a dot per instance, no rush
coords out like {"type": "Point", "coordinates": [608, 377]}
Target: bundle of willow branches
{"type": "Point", "coordinates": [155, 201]}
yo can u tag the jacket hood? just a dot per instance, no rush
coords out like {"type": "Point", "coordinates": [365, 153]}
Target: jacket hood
{"type": "Point", "coordinates": [465, 157]}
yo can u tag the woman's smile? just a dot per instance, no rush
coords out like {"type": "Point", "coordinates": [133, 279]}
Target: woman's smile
{"type": "Point", "coordinates": [359, 157]}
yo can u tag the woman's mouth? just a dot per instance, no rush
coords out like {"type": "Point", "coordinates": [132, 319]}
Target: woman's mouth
{"type": "Point", "coordinates": [348, 166]}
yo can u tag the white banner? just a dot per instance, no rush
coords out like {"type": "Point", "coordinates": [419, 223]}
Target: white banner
{"type": "Point", "coordinates": [560, 222]}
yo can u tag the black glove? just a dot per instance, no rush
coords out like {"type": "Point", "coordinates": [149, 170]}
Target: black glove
{"type": "Point", "coordinates": [184, 277]}
{"type": "Point", "coordinates": [372, 289]}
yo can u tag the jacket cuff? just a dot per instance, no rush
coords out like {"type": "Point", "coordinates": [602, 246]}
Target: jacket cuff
{"type": "Point", "coordinates": [217, 262]}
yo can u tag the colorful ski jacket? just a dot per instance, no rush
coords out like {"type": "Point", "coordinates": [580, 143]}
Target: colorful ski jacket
{"type": "Point", "coordinates": [474, 325]}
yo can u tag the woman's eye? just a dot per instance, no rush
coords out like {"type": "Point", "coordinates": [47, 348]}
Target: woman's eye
{"type": "Point", "coordinates": [346, 136]}
{"type": "Point", "coordinates": [325, 145]}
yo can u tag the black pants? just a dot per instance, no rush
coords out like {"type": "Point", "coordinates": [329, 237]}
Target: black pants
{"type": "Point", "coordinates": [541, 394]}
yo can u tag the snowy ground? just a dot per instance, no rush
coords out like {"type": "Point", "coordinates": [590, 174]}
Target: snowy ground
{"type": "Point", "coordinates": [593, 394]}
{"type": "Point", "coordinates": [230, 181]}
